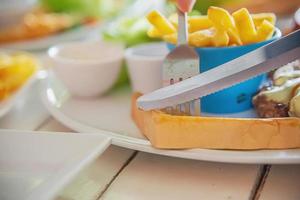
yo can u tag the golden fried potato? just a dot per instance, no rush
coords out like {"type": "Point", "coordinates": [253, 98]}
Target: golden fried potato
{"type": "Point", "coordinates": [234, 37]}
{"type": "Point", "coordinates": [160, 23]}
{"type": "Point", "coordinates": [5, 60]}
{"type": "Point", "coordinates": [202, 38]}
{"type": "Point", "coordinates": [218, 28]}
{"type": "Point", "coordinates": [220, 38]}
{"type": "Point", "coordinates": [197, 23]}
{"type": "Point", "coordinates": [154, 33]}
{"type": "Point", "coordinates": [260, 17]}
{"type": "Point", "coordinates": [171, 38]}
{"type": "Point", "coordinates": [264, 31]}
{"type": "Point", "coordinates": [14, 72]}
{"type": "Point", "coordinates": [220, 18]}
{"type": "Point", "coordinates": [225, 25]}
{"type": "Point", "coordinates": [245, 25]}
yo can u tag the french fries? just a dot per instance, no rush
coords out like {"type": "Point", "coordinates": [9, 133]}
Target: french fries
{"type": "Point", "coordinates": [195, 23]}
{"type": "Point", "coordinates": [259, 18]}
{"type": "Point", "coordinates": [171, 38]}
{"type": "Point", "coordinates": [245, 25]}
{"type": "Point", "coordinates": [220, 18]}
{"type": "Point", "coordinates": [14, 72]}
{"type": "Point", "coordinates": [154, 33]}
{"type": "Point", "coordinates": [234, 37]}
{"type": "Point", "coordinates": [202, 38]}
{"type": "Point", "coordinates": [220, 38]}
{"type": "Point", "coordinates": [225, 25]}
{"type": "Point", "coordinates": [264, 31]}
{"type": "Point", "coordinates": [218, 28]}
{"type": "Point", "coordinates": [160, 23]}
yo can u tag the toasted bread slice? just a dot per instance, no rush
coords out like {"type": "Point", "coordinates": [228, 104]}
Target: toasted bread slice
{"type": "Point", "coordinates": [180, 132]}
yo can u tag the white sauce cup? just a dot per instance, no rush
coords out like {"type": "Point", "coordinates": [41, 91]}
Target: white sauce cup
{"type": "Point", "coordinates": [144, 64]}
{"type": "Point", "coordinates": [88, 68]}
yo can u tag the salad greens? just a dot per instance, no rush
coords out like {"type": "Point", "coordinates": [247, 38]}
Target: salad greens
{"type": "Point", "coordinates": [129, 30]}
{"type": "Point", "coordinates": [94, 8]}
{"type": "Point", "coordinates": [131, 26]}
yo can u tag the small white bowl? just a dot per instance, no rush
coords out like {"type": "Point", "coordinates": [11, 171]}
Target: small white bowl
{"type": "Point", "coordinates": [89, 68]}
{"type": "Point", "coordinates": [145, 66]}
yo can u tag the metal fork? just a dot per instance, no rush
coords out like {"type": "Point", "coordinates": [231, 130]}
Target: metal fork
{"type": "Point", "coordinates": [181, 63]}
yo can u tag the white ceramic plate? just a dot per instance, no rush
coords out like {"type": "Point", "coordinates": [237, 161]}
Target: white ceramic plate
{"type": "Point", "coordinates": [8, 103]}
{"type": "Point", "coordinates": [36, 166]}
{"type": "Point", "coordinates": [77, 33]}
{"type": "Point", "coordinates": [111, 113]}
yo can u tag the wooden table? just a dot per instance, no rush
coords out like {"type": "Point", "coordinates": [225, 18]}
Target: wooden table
{"type": "Point", "coordinates": [127, 174]}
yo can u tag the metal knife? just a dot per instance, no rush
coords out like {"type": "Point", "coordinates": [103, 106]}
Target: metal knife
{"type": "Point", "coordinates": [254, 63]}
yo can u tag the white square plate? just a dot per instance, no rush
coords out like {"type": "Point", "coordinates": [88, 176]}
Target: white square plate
{"type": "Point", "coordinates": [36, 165]}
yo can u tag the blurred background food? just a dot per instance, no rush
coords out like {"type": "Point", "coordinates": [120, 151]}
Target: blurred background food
{"type": "Point", "coordinates": [37, 24]}
{"type": "Point", "coordinates": [33, 19]}
{"type": "Point", "coordinates": [94, 8]}
{"type": "Point", "coordinates": [12, 11]}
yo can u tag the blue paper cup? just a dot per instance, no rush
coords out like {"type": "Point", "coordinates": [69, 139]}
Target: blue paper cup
{"type": "Point", "coordinates": [237, 98]}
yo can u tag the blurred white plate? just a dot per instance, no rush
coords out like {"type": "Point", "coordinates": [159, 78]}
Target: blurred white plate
{"type": "Point", "coordinates": [77, 33]}
{"type": "Point", "coordinates": [8, 103]}
{"type": "Point", "coordinates": [37, 165]}
{"type": "Point", "coordinates": [112, 114]}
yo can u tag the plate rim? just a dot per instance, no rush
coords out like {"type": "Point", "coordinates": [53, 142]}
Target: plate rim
{"type": "Point", "coordinates": [224, 156]}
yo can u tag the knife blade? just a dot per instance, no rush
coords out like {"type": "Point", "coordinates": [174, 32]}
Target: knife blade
{"type": "Point", "coordinates": [254, 63]}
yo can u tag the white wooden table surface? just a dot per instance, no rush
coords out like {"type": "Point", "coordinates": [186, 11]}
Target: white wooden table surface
{"type": "Point", "coordinates": [126, 174]}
